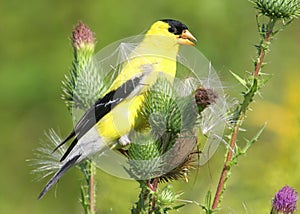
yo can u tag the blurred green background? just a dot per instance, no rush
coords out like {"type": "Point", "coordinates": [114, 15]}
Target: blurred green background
{"type": "Point", "coordinates": [35, 54]}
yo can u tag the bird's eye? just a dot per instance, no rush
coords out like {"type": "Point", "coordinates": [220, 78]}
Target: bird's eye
{"type": "Point", "coordinates": [172, 30]}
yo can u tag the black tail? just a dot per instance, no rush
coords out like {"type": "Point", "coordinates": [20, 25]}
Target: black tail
{"type": "Point", "coordinates": [72, 134]}
{"type": "Point", "coordinates": [70, 148]}
{"type": "Point", "coordinates": [58, 175]}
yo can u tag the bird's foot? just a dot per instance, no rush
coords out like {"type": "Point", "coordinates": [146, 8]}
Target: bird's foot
{"type": "Point", "coordinates": [124, 140]}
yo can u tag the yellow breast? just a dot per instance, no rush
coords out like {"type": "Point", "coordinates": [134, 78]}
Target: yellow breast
{"type": "Point", "coordinates": [121, 120]}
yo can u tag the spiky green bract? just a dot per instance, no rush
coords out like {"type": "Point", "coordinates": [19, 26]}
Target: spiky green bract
{"type": "Point", "coordinates": [144, 156]}
{"type": "Point", "coordinates": [165, 200]}
{"type": "Point", "coordinates": [163, 149]}
{"type": "Point", "coordinates": [161, 109]}
{"type": "Point", "coordinates": [278, 9]}
{"type": "Point", "coordinates": [166, 112]}
{"type": "Point", "coordinates": [84, 85]}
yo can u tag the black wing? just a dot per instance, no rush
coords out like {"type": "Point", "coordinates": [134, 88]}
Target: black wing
{"type": "Point", "coordinates": [102, 107]}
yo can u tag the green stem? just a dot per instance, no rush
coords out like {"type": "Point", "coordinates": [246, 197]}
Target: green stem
{"type": "Point", "coordinates": [241, 111]}
{"type": "Point", "coordinates": [92, 189]}
{"type": "Point", "coordinates": [264, 46]}
{"type": "Point", "coordinates": [142, 203]}
{"type": "Point", "coordinates": [153, 183]}
{"type": "Point", "coordinates": [88, 187]}
{"type": "Point", "coordinates": [147, 198]}
{"type": "Point", "coordinates": [226, 166]}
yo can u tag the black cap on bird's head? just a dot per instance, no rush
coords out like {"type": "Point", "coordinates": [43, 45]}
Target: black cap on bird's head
{"type": "Point", "coordinates": [176, 27]}
{"type": "Point", "coordinates": [181, 31]}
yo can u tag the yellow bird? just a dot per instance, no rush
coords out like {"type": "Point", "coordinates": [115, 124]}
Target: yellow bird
{"type": "Point", "coordinates": [113, 116]}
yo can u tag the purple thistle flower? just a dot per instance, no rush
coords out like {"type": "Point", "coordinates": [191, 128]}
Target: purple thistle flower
{"type": "Point", "coordinates": [82, 36]}
{"type": "Point", "coordinates": [285, 201]}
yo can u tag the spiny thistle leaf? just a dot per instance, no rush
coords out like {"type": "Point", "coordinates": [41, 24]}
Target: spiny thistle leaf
{"type": "Point", "coordinates": [238, 78]}
{"type": "Point", "coordinates": [248, 96]}
{"type": "Point", "coordinates": [249, 143]}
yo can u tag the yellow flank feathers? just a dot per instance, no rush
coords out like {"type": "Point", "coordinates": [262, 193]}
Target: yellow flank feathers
{"type": "Point", "coordinates": [120, 120]}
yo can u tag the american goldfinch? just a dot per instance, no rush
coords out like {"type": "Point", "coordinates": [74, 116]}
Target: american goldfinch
{"type": "Point", "coordinates": [113, 116]}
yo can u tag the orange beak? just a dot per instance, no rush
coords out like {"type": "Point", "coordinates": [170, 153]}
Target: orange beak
{"type": "Point", "coordinates": [186, 38]}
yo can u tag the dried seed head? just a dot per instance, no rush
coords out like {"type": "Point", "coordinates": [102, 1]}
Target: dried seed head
{"type": "Point", "coordinates": [204, 97]}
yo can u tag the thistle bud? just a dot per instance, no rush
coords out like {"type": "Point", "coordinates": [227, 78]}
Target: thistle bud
{"type": "Point", "coordinates": [278, 9]}
{"type": "Point", "coordinates": [83, 37]}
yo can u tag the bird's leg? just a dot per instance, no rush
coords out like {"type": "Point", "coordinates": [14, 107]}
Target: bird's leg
{"type": "Point", "coordinates": [124, 140]}
{"type": "Point", "coordinates": [152, 184]}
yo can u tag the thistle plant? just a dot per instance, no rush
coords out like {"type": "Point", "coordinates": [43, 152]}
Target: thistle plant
{"type": "Point", "coordinates": [83, 85]}
{"type": "Point", "coordinates": [80, 91]}
{"type": "Point", "coordinates": [168, 151]}
{"type": "Point", "coordinates": [273, 16]}
{"type": "Point", "coordinates": [81, 88]}
{"type": "Point", "coordinates": [164, 147]}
